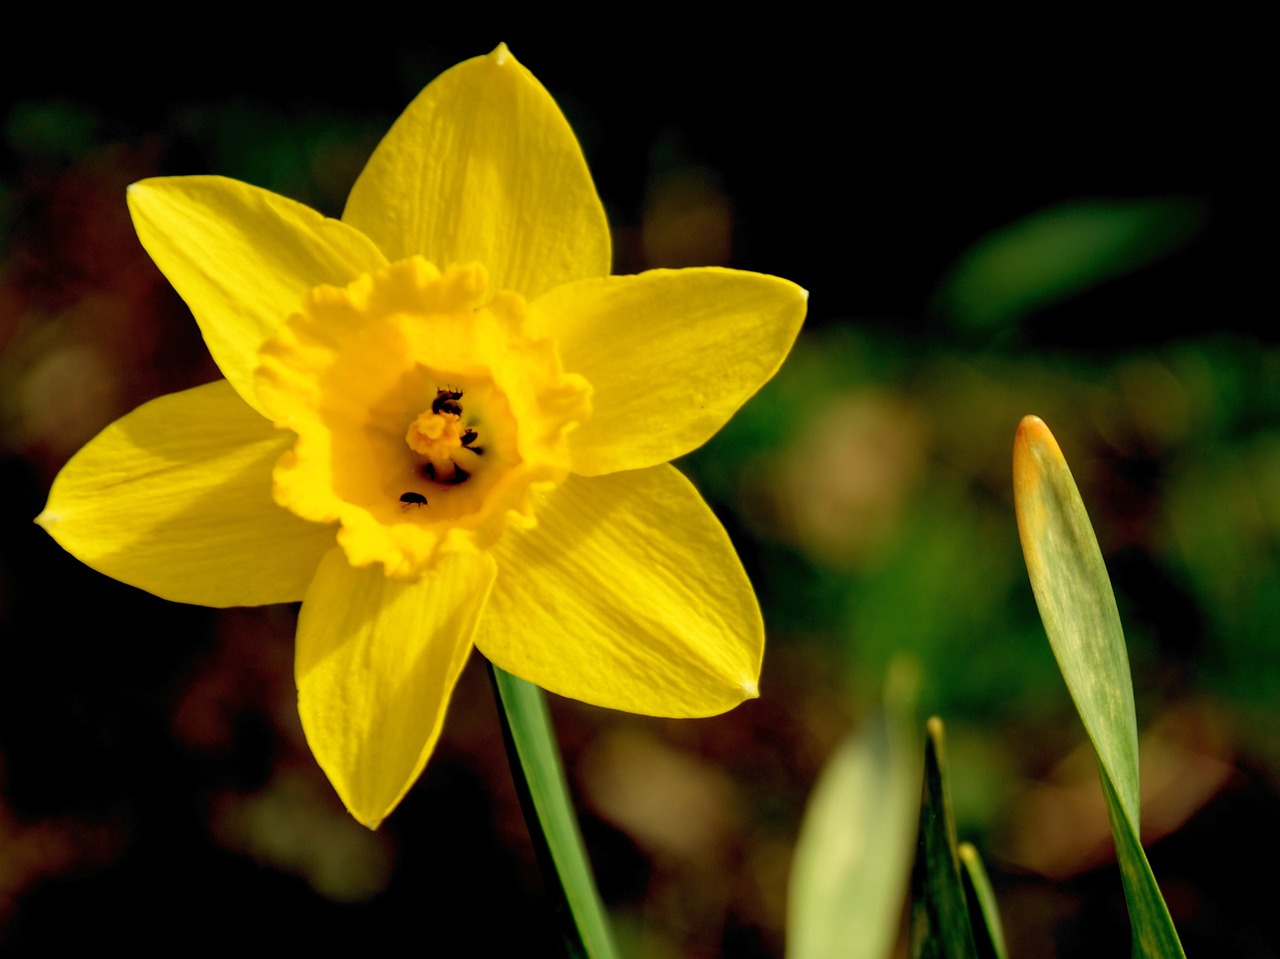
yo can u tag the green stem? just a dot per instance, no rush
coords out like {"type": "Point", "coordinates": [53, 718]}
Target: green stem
{"type": "Point", "coordinates": [544, 796]}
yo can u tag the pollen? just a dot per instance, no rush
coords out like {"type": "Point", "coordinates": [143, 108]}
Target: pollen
{"type": "Point", "coordinates": [435, 436]}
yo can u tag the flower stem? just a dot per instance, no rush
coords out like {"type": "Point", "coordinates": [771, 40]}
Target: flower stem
{"type": "Point", "coordinates": [544, 797]}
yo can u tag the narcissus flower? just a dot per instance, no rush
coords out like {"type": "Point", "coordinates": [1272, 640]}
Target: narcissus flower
{"type": "Point", "coordinates": [443, 425]}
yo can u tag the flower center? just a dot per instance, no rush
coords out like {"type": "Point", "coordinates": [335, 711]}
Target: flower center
{"type": "Point", "coordinates": [440, 436]}
{"type": "Point", "coordinates": [426, 417]}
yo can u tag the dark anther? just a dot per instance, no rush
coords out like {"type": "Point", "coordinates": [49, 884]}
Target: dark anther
{"type": "Point", "coordinates": [469, 437]}
{"type": "Point", "coordinates": [459, 476]}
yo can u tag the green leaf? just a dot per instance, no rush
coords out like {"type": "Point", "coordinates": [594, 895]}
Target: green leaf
{"type": "Point", "coordinates": [984, 916]}
{"type": "Point", "coordinates": [1073, 593]}
{"type": "Point", "coordinates": [539, 775]}
{"type": "Point", "coordinates": [1153, 930]}
{"type": "Point", "coordinates": [940, 926]}
{"type": "Point", "coordinates": [1065, 249]}
{"type": "Point", "coordinates": [853, 856]}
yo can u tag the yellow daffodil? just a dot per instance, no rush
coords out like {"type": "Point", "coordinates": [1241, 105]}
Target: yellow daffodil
{"type": "Point", "coordinates": [443, 425]}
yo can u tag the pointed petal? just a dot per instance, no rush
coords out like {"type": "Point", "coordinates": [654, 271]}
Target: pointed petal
{"type": "Point", "coordinates": [627, 594]}
{"type": "Point", "coordinates": [175, 498]}
{"type": "Point", "coordinates": [376, 664]}
{"type": "Point", "coordinates": [483, 166]}
{"type": "Point", "coordinates": [670, 354]}
{"type": "Point", "coordinates": [242, 258]}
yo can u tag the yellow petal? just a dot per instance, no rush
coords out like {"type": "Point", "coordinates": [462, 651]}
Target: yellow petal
{"type": "Point", "coordinates": [175, 498]}
{"type": "Point", "coordinates": [627, 594]}
{"type": "Point", "coordinates": [242, 258]}
{"type": "Point", "coordinates": [671, 355]}
{"type": "Point", "coordinates": [376, 664]}
{"type": "Point", "coordinates": [483, 166]}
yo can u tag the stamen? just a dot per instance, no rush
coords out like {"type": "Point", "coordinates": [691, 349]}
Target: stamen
{"type": "Point", "coordinates": [451, 475]}
{"type": "Point", "coordinates": [438, 435]}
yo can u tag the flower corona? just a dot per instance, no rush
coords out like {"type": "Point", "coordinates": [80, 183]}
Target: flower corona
{"type": "Point", "coordinates": [389, 385]}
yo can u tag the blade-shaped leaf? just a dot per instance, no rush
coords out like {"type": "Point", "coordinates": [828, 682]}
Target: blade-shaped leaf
{"type": "Point", "coordinates": [1153, 930]}
{"type": "Point", "coordinates": [849, 876]}
{"type": "Point", "coordinates": [940, 926]}
{"type": "Point", "coordinates": [984, 916]}
{"type": "Point", "coordinates": [1073, 593]}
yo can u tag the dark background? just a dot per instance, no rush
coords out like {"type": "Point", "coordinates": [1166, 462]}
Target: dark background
{"type": "Point", "coordinates": [154, 786]}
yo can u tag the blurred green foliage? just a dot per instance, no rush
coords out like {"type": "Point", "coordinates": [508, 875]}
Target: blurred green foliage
{"type": "Point", "coordinates": [1065, 249]}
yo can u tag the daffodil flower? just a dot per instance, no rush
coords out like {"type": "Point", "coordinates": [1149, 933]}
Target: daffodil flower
{"type": "Point", "coordinates": [443, 425]}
